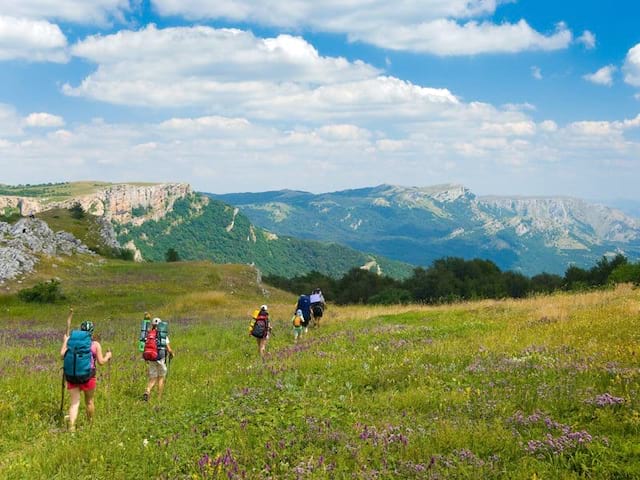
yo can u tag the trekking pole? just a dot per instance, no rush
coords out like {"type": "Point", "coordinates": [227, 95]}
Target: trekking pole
{"type": "Point", "coordinates": [69, 317]}
{"type": "Point", "coordinates": [109, 386]}
{"type": "Point", "coordinates": [168, 360]}
{"type": "Point", "coordinates": [62, 397]}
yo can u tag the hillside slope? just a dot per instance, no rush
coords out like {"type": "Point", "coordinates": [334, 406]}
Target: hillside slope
{"type": "Point", "coordinates": [199, 228]}
{"type": "Point", "coordinates": [150, 219]}
{"type": "Point", "coordinates": [419, 225]}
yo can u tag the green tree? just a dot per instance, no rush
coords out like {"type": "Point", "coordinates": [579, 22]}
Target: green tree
{"type": "Point", "coordinates": [77, 211]}
{"type": "Point", "coordinates": [171, 255]}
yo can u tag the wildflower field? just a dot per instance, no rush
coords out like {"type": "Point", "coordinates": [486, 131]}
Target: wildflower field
{"type": "Point", "coordinates": [541, 388]}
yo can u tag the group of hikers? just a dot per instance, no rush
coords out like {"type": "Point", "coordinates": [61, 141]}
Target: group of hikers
{"type": "Point", "coordinates": [81, 353]}
{"type": "Point", "coordinates": [308, 311]}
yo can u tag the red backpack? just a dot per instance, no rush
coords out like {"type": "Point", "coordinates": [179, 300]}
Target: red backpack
{"type": "Point", "coordinates": [150, 351]}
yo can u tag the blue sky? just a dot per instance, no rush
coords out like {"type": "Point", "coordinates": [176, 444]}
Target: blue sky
{"type": "Point", "coordinates": [527, 97]}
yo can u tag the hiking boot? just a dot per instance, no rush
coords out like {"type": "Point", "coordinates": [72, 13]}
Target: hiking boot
{"type": "Point", "coordinates": [145, 396]}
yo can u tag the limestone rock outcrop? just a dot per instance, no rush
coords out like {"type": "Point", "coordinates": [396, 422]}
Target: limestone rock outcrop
{"type": "Point", "coordinates": [121, 203]}
{"type": "Point", "coordinates": [22, 244]}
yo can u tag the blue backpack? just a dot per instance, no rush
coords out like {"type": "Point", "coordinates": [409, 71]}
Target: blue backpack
{"type": "Point", "coordinates": [304, 304]}
{"type": "Point", "coordinates": [77, 359]}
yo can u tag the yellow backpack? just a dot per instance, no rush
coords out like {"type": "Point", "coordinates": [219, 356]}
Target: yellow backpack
{"type": "Point", "coordinates": [297, 321]}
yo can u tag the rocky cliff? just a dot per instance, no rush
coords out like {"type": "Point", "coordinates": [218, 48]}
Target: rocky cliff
{"type": "Point", "coordinates": [121, 203]}
{"type": "Point", "coordinates": [565, 222]}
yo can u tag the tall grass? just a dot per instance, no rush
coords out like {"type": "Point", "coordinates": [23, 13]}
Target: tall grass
{"type": "Point", "coordinates": [545, 387]}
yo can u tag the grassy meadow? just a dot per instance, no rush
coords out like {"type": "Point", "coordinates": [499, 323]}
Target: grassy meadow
{"type": "Point", "coordinates": [535, 389]}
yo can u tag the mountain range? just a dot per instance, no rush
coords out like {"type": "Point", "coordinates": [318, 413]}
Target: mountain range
{"type": "Point", "coordinates": [389, 229]}
{"type": "Point", "coordinates": [418, 225]}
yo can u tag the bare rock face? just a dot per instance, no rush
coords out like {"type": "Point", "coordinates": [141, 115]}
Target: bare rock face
{"type": "Point", "coordinates": [22, 244]}
{"type": "Point", "coordinates": [123, 203]}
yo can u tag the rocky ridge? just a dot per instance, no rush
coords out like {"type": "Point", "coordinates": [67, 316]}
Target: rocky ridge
{"type": "Point", "coordinates": [22, 244]}
{"type": "Point", "coordinates": [418, 225]}
{"type": "Point", "coordinates": [120, 203]}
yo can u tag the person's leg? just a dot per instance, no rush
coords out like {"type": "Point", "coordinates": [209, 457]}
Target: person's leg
{"type": "Point", "coordinates": [73, 408]}
{"type": "Point", "coordinates": [153, 377]}
{"type": "Point", "coordinates": [88, 401]}
{"type": "Point", "coordinates": [150, 384]}
{"type": "Point", "coordinates": [160, 387]}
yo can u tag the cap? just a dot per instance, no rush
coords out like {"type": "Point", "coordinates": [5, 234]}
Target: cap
{"type": "Point", "coordinates": [299, 312]}
{"type": "Point", "coordinates": [264, 307]}
{"type": "Point", "coordinates": [155, 321]}
{"type": "Point", "coordinates": [87, 326]}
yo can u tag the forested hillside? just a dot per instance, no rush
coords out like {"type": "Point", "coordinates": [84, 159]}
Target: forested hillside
{"type": "Point", "coordinates": [203, 229]}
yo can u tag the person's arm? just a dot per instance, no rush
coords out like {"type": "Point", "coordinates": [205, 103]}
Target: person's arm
{"type": "Point", "coordinates": [169, 349]}
{"type": "Point", "coordinates": [63, 350]}
{"type": "Point", "coordinates": [102, 359]}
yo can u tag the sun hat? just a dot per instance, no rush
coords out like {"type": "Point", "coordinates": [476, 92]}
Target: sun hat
{"type": "Point", "coordinates": [155, 321]}
{"type": "Point", "coordinates": [264, 307]}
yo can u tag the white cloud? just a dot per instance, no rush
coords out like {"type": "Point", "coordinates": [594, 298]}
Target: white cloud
{"type": "Point", "coordinates": [589, 128]}
{"type": "Point", "coordinates": [78, 11]}
{"type": "Point", "coordinates": [343, 132]}
{"type": "Point", "coordinates": [282, 78]}
{"type": "Point", "coordinates": [548, 126]}
{"type": "Point", "coordinates": [33, 40]}
{"type": "Point", "coordinates": [447, 37]}
{"type": "Point", "coordinates": [536, 73]}
{"type": "Point", "coordinates": [631, 66]}
{"type": "Point", "coordinates": [210, 123]}
{"type": "Point", "coordinates": [43, 119]}
{"type": "Point", "coordinates": [588, 39]}
{"type": "Point", "coordinates": [439, 27]}
{"type": "Point", "coordinates": [604, 76]}
{"type": "Point", "coordinates": [192, 66]}
{"type": "Point", "coordinates": [507, 129]}
{"type": "Point", "coordinates": [216, 153]}
{"type": "Point", "coordinates": [9, 121]}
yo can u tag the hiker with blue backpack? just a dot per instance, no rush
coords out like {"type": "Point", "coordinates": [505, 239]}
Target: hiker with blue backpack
{"type": "Point", "coordinates": [81, 354]}
{"type": "Point", "coordinates": [156, 351]}
{"type": "Point", "coordinates": [304, 305]}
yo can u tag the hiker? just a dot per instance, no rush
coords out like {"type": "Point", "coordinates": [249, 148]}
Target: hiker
{"type": "Point", "coordinates": [304, 304]}
{"type": "Point", "coordinates": [260, 327]}
{"type": "Point", "coordinates": [317, 305]}
{"type": "Point", "coordinates": [80, 353]}
{"type": "Point", "coordinates": [156, 349]}
{"type": "Point", "coordinates": [144, 327]}
{"type": "Point", "coordinates": [297, 321]}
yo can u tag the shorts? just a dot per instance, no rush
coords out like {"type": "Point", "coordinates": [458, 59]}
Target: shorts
{"type": "Point", "coordinates": [157, 369]}
{"type": "Point", "coordinates": [297, 330]}
{"type": "Point", "coordinates": [84, 387]}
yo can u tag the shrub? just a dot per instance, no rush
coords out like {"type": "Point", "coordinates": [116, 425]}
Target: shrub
{"type": "Point", "coordinates": [172, 255]}
{"type": "Point", "coordinates": [43, 292]}
{"type": "Point", "coordinates": [77, 211]}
